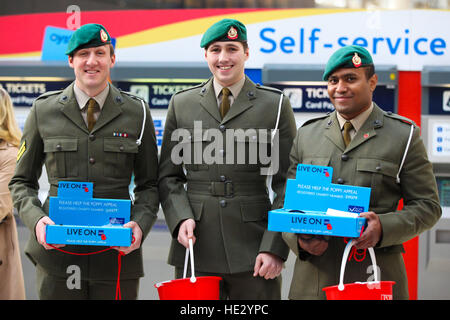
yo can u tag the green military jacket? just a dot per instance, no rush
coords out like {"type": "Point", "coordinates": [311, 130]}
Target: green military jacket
{"type": "Point", "coordinates": [55, 135]}
{"type": "Point", "coordinates": [372, 159]}
{"type": "Point", "coordinates": [227, 197]}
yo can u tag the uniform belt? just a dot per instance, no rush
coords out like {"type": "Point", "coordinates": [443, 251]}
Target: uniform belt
{"type": "Point", "coordinates": [227, 189]}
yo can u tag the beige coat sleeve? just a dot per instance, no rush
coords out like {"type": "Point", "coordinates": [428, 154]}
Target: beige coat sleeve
{"type": "Point", "coordinates": [7, 166]}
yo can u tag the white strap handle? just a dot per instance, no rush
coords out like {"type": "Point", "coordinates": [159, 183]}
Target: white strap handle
{"type": "Point", "coordinates": [404, 154]}
{"type": "Point", "coordinates": [280, 103]}
{"type": "Point", "coordinates": [186, 258]}
{"type": "Point", "coordinates": [144, 118]}
{"type": "Point", "coordinates": [344, 262]}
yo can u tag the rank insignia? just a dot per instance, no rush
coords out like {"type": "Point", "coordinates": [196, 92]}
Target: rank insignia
{"type": "Point", "coordinates": [21, 151]}
{"type": "Point", "coordinates": [103, 35]}
{"type": "Point", "coordinates": [232, 33]}
{"type": "Point", "coordinates": [356, 60]}
{"type": "Point", "coordinates": [120, 134]}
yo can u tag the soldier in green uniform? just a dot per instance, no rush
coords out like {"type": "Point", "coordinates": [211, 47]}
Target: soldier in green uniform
{"type": "Point", "coordinates": [367, 147]}
{"type": "Point", "coordinates": [222, 203]}
{"type": "Point", "coordinates": [89, 131]}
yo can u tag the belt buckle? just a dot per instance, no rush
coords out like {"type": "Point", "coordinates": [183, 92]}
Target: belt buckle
{"type": "Point", "coordinates": [228, 186]}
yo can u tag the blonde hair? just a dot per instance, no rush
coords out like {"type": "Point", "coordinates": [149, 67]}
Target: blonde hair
{"type": "Point", "coordinates": [9, 130]}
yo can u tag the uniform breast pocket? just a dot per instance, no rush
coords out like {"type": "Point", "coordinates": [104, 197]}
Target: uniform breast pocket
{"type": "Point", "coordinates": [61, 160]}
{"type": "Point", "coordinates": [119, 156]}
{"type": "Point", "coordinates": [317, 161]}
{"type": "Point", "coordinates": [380, 176]}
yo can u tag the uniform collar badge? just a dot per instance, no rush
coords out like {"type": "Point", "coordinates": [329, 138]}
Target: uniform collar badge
{"type": "Point", "coordinates": [232, 33]}
{"type": "Point", "coordinates": [356, 60]}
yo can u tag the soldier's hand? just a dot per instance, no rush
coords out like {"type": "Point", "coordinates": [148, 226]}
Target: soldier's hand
{"type": "Point", "coordinates": [267, 265]}
{"type": "Point", "coordinates": [40, 231]}
{"type": "Point", "coordinates": [137, 238]}
{"type": "Point", "coordinates": [372, 234]}
{"type": "Point", "coordinates": [315, 245]}
{"type": "Point", "coordinates": [186, 231]}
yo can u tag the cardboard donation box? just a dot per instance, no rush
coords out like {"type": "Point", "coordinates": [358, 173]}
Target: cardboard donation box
{"type": "Point", "coordinates": [313, 205]}
{"type": "Point", "coordinates": [81, 219]}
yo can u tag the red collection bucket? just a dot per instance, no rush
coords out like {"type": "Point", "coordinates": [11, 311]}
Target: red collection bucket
{"type": "Point", "coordinates": [373, 290]}
{"type": "Point", "coordinates": [193, 288]}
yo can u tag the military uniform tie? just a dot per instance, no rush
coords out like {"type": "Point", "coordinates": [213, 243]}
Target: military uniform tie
{"type": "Point", "coordinates": [92, 106]}
{"type": "Point", "coordinates": [346, 133]}
{"type": "Point", "coordinates": [225, 104]}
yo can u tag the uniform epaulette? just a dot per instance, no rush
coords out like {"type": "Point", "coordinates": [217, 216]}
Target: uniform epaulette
{"type": "Point", "coordinates": [399, 117]}
{"type": "Point", "coordinates": [191, 88]}
{"type": "Point", "coordinates": [314, 119]}
{"type": "Point", "coordinates": [48, 94]}
{"type": "Point", "coordinates": [278, 91]}
{"type": "Point", "coordinates": [132, 95]}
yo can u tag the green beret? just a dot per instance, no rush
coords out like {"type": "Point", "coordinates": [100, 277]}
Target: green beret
{"type": "Point", "coordinates": [224, 30]}
{"type": "Point", "coordinates": [88, 36]}
{"type": "Point", "coordinates": [347, 57]}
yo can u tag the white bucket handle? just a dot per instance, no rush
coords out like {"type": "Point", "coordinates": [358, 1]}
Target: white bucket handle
{"type": "Point", "coordinates": [186, 258]}
{"type": "Point", "coordinates": [344, 262]}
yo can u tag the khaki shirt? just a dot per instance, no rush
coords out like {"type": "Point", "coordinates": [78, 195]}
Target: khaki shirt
{"type": "Point", "coordinates": [356, 122]}
{"type": "Point", "coordinates": [235, 89]}
{"type": "Point", "coordinates": [82, 99]}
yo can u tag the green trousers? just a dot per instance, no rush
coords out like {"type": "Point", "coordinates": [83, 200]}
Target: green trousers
{"type": "Point", "coordinates": [51, 287]}
{"type": "Point", "coordinates": [242, 286]}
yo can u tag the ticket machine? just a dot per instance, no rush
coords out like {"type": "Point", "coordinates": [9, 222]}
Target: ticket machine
{"type": "Point", "coordinates": [434, 245]}
{"type": "Point", "coordinates": [308, 94]}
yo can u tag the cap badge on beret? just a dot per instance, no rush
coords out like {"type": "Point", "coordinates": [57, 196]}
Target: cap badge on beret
{"type": "Point", "coordinates": [232, 33]}
{"type": "Point", "coordinates": [103, 35]}
{"type": "Point", "coordinates": [356, 60]}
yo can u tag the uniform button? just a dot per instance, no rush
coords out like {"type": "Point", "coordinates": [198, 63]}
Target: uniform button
{"type": "Point", "coordinates": [91, 160]}
{"type": "Point", "coordinates": [223, 203]}
{"type": "Point", "coordinates": [121, 148]}
{"type": "Point", "coordinates": [223, 178]}
{"type": "Point", "coordinates": [222, 128]}
{"type": "Point", "coordinates": [344, 157]}
{"type": "Point", "coordinates": [222, 152]}
{"type": "Point", "coordinates": [91, 137]}
{"type": "Point", "coordinates": [378, 168]}
{"type": "Point", "coordinates": [58, 147]}
{"type": "Point", "coordinates": [340, 180]}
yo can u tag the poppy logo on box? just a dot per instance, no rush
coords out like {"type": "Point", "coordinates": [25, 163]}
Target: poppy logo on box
{"type": "Point", "coordinates": [102, 235]}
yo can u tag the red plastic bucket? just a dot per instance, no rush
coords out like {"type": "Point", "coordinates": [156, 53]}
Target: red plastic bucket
{"type": "Point", "coordinates": [361, 291]}
{"type": "Point", "coordinates": [374, 290]}
{"type": "Point", "coordinates": [193, 288]}
{"type": "Point", "coordinates": [204, 288]}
